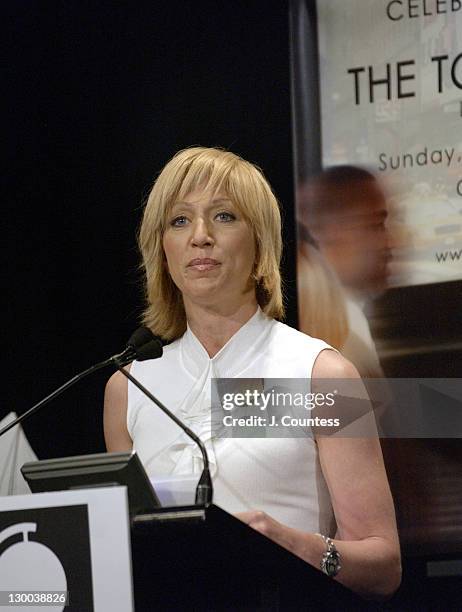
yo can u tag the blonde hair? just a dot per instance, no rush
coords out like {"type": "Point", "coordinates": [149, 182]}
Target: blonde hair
{"type": "Point", "coordinates": [321, 299]}
{"type": "Point", "coordinates": [213, 170]}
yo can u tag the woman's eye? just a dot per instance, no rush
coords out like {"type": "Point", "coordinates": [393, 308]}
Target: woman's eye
{"type": "Point", "coordinates": [225, 216]}
{"type": "Point", "coordinates": [178, 221]}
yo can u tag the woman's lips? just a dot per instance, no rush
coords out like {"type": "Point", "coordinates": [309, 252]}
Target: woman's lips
{"type": "Point", "coordinates": [203, 265]}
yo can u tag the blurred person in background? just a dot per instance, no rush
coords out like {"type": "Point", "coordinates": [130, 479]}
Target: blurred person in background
{"type": "Point", "coordinates": [343, 260]}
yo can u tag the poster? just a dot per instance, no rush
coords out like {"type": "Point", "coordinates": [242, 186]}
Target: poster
{"type": "Point", "coordinates": [377, 129]}
{"type": "Point", "coordinates": [390, 77]}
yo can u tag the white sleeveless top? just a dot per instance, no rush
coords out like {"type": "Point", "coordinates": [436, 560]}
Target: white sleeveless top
{"type": "Point", "coordinates": [281, 476]}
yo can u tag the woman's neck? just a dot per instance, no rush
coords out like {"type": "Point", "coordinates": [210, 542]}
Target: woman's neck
{"type": "Point", "coordinates": [214, 327]}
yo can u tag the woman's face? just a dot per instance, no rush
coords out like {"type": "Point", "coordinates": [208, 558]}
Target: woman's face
{"type": "Point", "coordinates": [210, 251]}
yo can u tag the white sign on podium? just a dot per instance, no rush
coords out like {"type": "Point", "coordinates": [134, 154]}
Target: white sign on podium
{"type": "Point", "coordinates": [66, 547]}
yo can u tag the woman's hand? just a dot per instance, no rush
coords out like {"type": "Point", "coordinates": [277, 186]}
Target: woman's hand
{"type": "Point", "coordinates": [360, 559]}
{"type": "Point", "coordinates": [308, 546]}
{"type": "Point", "coordinates": [269, 527]}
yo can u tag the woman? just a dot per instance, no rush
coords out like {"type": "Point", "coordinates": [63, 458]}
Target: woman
{"type": "Point", "coordinates": [211, 245]}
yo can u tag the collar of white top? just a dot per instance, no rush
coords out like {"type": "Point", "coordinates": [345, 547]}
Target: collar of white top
{"type": "Point", "coordinates": [232, 359]}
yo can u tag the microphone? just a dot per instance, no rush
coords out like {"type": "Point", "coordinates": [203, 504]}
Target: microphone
{"type": "Point", "coordinates": [142, 345]}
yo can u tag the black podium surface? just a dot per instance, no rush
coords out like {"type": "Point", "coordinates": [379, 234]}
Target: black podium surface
{"type": "Point", "coordinates": [206, 559]}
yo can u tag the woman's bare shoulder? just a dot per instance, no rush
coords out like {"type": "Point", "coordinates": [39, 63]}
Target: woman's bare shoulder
{"type": "Point", "coordinates": [331, 364]}
{"type": "Point", "coordinates": [117, 384]}
{"type": "Point", "coordinates": [115, 414]}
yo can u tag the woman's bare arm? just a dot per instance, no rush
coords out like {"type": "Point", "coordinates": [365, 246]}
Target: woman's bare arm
{"type": "Point", "coordinates": [115, 414]}
{"type": "Point", "coordinates": [367, 538]}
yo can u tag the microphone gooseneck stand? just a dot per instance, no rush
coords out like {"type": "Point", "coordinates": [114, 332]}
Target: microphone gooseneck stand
{"type": "Point", "coordinates": [142, 342]}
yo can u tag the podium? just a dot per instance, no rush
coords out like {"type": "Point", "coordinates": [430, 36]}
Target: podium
{"type": "Point", "coordinates": [194, 557]}
{"type": "Point", "coordinates": [179, 558]}
{"type": "Point", "coordinates": [204, 559]}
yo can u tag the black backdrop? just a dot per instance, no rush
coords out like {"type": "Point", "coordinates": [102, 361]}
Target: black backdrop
{"type": "Point", "coordinates": [99, 96]}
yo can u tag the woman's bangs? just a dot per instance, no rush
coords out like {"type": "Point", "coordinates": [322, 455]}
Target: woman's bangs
{"type": "Point", "coordinates": [206, 177]}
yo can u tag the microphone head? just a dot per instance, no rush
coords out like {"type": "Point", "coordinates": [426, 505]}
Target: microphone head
{"type": "Point", "coordinates": [145, 344]}
{"type": "Point", "coordinates": [141, 336]}
{"type": "Point", "coordinates": [151, 350]}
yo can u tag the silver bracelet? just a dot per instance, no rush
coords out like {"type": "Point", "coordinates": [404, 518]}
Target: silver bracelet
{"type": "Point", "coordinates": [330, 561]}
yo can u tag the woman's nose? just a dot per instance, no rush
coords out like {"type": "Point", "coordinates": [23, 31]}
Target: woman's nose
{"type": "Point", "coordinates": [201, 233]}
